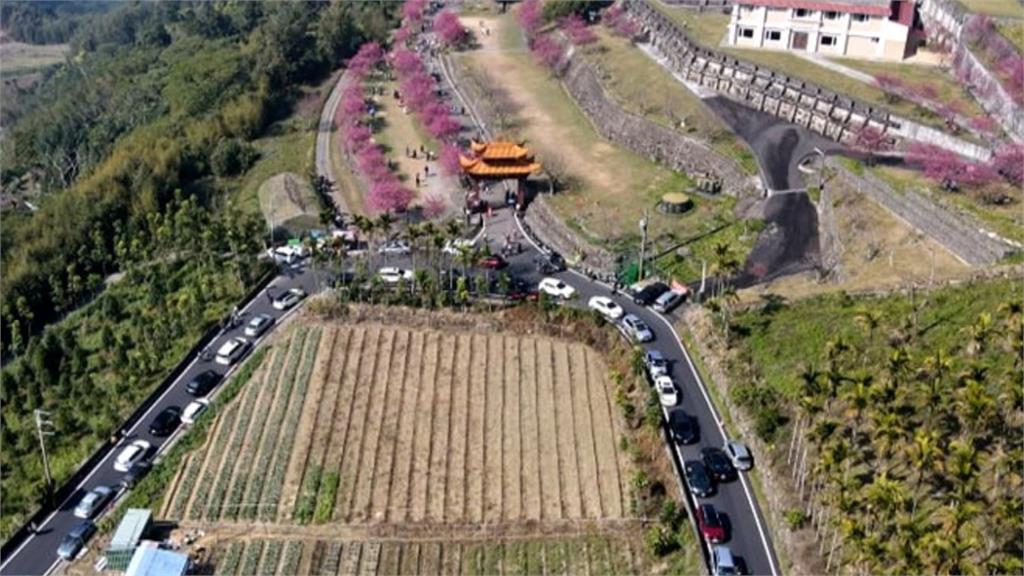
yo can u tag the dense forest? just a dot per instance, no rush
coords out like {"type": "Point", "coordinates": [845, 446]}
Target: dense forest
{"type": "Point", "coordinates": [899, 419]}
{"type": "Point", "coordinates": [48, 21]}
{"type": "Point", "coordinates": [135, 248]}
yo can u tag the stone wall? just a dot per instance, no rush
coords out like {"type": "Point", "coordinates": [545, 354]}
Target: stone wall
{"type": "Point", "coordinates": [645, 137]}
{"type": "Point", "coordinates": [818, 109]}
{"type": "Point", "coordinates": [962, 237]}
{"type": "Point", "coordinates": [945, 22]}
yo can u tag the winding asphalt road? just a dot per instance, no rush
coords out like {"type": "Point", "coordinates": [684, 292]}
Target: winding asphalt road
{"type": "Point", "coordinates": [38, 553]}
{"type": "Point", "coordinates": [750, 540]}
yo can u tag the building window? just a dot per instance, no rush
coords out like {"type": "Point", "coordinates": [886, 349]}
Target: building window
{"type": "Point", "coordinates": [747, 32]}
{"type": "Point", "coordinates": [827, 40]}
{"type": "Point", "coordinates": [861, 17]}
{"type": "Point", "coordinates": [804, 13]}
{"type": "Point", "coordinates": [773, 35]}
{"type": "Point", "coordinates": [831, 15]}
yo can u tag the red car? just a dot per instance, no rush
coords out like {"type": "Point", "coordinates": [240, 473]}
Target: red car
{"type": "Point", "coordinates": [711, 523]}
{"type": "Point", "coordinates": [494, 262]}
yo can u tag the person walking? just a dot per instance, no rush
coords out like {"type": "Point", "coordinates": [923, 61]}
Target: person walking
{"type": "Point", "coordinates": [417, 179]}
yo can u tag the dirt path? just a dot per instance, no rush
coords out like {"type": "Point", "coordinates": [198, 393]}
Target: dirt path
{"type": "Point", "coordinates": [551, 465]}
{"type": "Point", "coordinates": [385, 467]}
{"type": "Point", "coordinates": [512, 431]}
{"type": "Point", "coordinates": [586, 448]}
{"type": "Point", "coordinates": [356, 423]}
{"type": "Point", "coordinates": [532, 446]}
{"type": "Point", "coordinates": [550, 119]}
{"type": "Point", "coordinates": [302, 447]}
{"type": "Point", "coordinates": [376, 396]}
{"type": "Point", "coordinates": [440, 481]}
{"type": "Point", "coordinates": [611, 462]}
{"type": "Point", "coordinates": [398, 510]}
{"type": "Point", "coordinates": [572, 489]}
{"type": "Point", "coordinates": [495, 428]}
{"type": "Point", "coordinates": [419, 498]}
{"type": "Point", "coordinates": [477, 406]}
{"type": "Point", "coordinates": [455, 511]}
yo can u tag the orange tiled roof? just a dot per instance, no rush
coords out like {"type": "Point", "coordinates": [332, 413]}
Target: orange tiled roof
{"type": "Point", "coordinates": [480, 167]}
{"type": "Point", "coordinates": [499, 150]}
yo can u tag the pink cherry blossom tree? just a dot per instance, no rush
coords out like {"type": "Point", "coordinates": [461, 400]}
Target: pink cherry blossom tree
{"type": "Point", "coordinates": [413, 10]}
{"type": "Point", "coordinates": [434, 206]}
{"type": "Point", "coordinates": [577, 31]}
{"type": "Point", "coordinates": [449, 29]}
{"type": "Point", "coordinates": [548, 52]}
{"type": "Point", "coordinates": [1009, 162]}
{"type": "Point", "coordinates": [389, 196]}
{"type": "Point", "coordinates": [449, 160]}
{"type": "Point", "coordinates": [530, 16]}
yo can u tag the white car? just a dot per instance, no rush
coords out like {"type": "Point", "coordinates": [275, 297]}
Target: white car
{"type": "Point", "coordinates": [394, 275]}
{"type": "Point", "coordinates": [194, 409]}
{"type": "Point", "coordinates": [132, 453]}
{"type": "Point", "coordinates": [557, 288]}
{"type": "Point", "coordinates": [606, 306]}
{"type": "Point", "coordinates": [289, 299]}
{"type": "Point", "coordinates": [231, 351]}
{"type": "Point", "coordinates": [739, 454]}
{"type": "Point", "coordinates": [395, 248]}
{"type": "Point", "coordinates": [287, 254]}
{"type": "Point", "coordinates": [452, 247]}
{"type": "Point", "coordinates": [258, 325]}
{"type": "Point", "coordinates": [666, 391]}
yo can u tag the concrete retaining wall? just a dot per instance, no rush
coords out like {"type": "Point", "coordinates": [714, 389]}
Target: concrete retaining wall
{"type": "Point", "coordinates": [645, 137]}
{"type": "Point", "coordinates": [946, 22]}
{"type": "Point", "coordinates": [818, 109]}
{"type": "Point", "coordinates": [962, 237]}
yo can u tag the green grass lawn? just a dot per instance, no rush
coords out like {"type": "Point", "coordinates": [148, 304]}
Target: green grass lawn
{"type": "Point", "coordinates": [780, 344]}
{"type": "Point", "coordinates": [643, 87]}
{"type": "Point", "coordinates": [288, 147]}
{"type": "Point", "coordinates": [1002, 8]}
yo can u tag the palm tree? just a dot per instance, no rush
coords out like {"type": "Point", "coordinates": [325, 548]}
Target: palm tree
{"type": "Point", "coordinates": [925, 457]}
{"type": "Point", "coordinates": [869, 320]}
{"type": "Point", "coordinates": [383, 225]}
{"type": "Point", "coordinates": [979, 332]}
{"type": "Point", "coordinates": [414, 233]}
{"type": "Point", "coordinates": [857, 395]}
{"type": "Point", "coordinates": [365, 227]}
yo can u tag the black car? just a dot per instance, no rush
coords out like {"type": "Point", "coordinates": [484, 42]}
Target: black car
{"type": "Point", "coordinates": [718, 463]}
{"type": "Point", "coordinates": [202, 383]}
{"type": "Point", "coordinates": [683, 427]}
{"type": "Point", "coordinates": [550, 264]}
{"type": "Point", "coordinates": [166, 421]}
{"type": "Point", "coordinates": [650, 293]}
{"type": "Point", "coordinates": [134, 474]}
{"type": "Point", "coordinates": [697, 479]}
{"type": "Point", "coordinates": [75, 540]}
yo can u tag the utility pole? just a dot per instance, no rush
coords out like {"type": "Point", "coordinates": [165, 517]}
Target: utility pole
{"type": "Point", "coordinates": [643, 246]}
{"type": "Point", "coordinates": [821, 168]}
{"type": "Point", "coordinates": [44, 428]}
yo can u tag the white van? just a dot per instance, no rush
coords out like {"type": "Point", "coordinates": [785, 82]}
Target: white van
{"type": "Point", "coordinates": [667, 301]}
{"type": "Point", "coordinates": [231, 351]}
{"type": "Point", "coordinates": [722, 561]}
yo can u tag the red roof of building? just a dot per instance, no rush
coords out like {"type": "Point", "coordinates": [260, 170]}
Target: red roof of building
{"type": "Point", "coordinates": [872, 7]}
{"type": "Point", "coordinates": [480, 167]}
{"type": "Point", "coordinates": [499, 150]}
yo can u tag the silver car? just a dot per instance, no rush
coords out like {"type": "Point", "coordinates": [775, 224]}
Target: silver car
{"type": "Point", "coordinates": [637, 329]}
{"type": "Point", "coordinates": [93, 502]}
{"type": "Point", "coordinates": [739, 454]}
{"type": "Point", "coordinates": [258, 325]}
{"type": "Point", "coordinates": [289, 298]}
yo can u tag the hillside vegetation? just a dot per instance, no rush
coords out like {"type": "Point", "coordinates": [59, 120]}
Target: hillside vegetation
{"type": "Point", "coordinates": [138, 144]}
{"type": "Point", "coordinates": [901, 416]}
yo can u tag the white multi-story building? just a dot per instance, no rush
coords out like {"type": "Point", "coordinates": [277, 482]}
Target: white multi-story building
{"type": "Point", "coordinates": [875, 29]}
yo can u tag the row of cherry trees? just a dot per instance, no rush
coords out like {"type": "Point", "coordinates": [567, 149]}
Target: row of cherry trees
{"type": "Point", "coordinates": [386, 191]}
{"type": "Point", "coordinates": [927, 95]}
{"type": "Point", "coordinates": [948, 168]}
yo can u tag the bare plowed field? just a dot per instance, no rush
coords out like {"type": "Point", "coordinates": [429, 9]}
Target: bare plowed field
{"type": "Point", "coordinates": [288, 556]}
{"type": "Point", "coordinates": [367, 424]}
